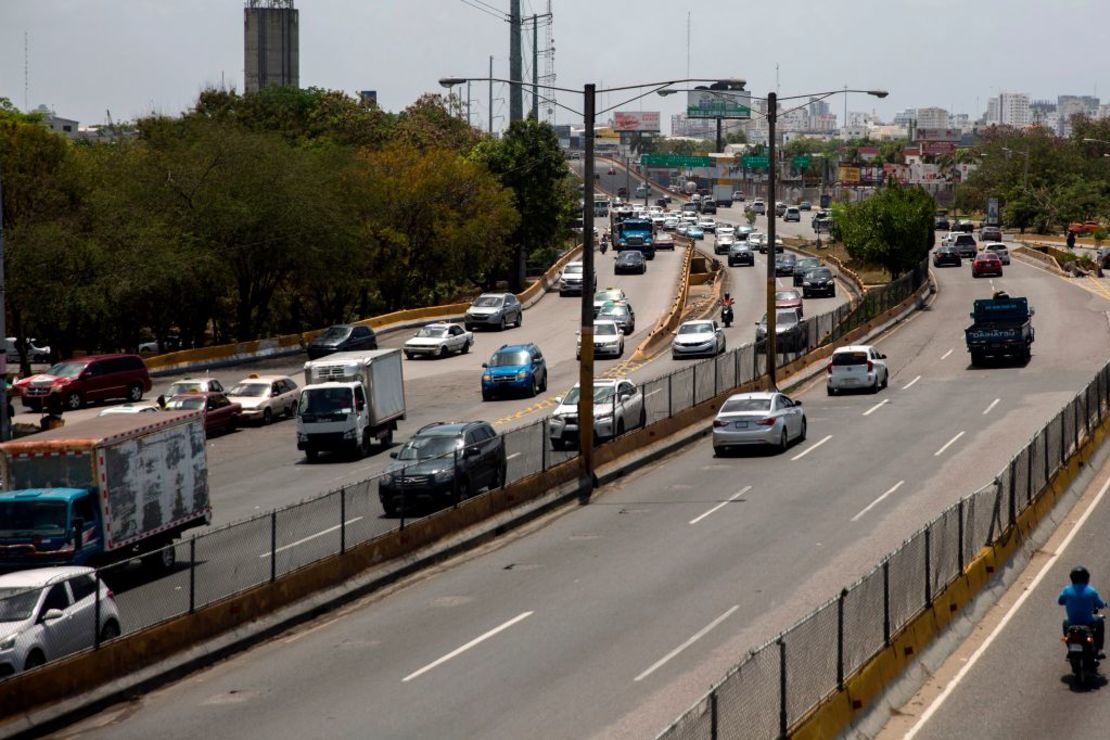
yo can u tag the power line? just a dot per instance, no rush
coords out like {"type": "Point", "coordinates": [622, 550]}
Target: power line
{"type": "Point", "coordinates": [473, 4]}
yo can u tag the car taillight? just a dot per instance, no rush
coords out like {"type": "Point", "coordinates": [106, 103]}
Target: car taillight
{"type": "Point", "coordinates": [870, 366]}
{"type": "Point", "coordinates": [111, 595]}
{"type": "Point", "coordinates": [768, 422]}
{"type": "Point", "coordinates": [829, 369]}
{"type": "Point", "coordinates": [720, 423]}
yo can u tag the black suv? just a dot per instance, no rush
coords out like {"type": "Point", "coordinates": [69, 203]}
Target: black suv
{"type": "Point", "coordinates": [342, 338]}
{"type": "Point", "coordinates": [708, 205]}
{"type": "Point", "coordinates": [441, 464]}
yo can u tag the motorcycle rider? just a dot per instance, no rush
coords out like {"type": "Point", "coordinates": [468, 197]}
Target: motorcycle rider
{"type": "Point", "coordinates": [726, 301]}
{"type": "Point", "coordinates": [1081, 602]}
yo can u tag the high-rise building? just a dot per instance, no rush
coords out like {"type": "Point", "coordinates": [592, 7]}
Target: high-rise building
{"type": "Point", "coordinates": [931, 118]}
{"type": "Point", "coordinates": [1008, 109]}
{"type": "Point", "coordinates": [906, 118]}
{"type": "Point", "coordinates": [992, 115]}
{"type": "Point", "coordinates": [1068, 106]}
{"type": "Point", "coordinates": [961, 121]}
{"type": "Point", "coordinates": [818, 107]}
{"type": "Point", "coordinates": [271, 44]}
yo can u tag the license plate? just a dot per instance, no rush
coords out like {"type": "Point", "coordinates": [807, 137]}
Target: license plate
{"type": "Point", "coordinates": [1075, 648]}
{"type": "Point", "coordinates": [740, 424]}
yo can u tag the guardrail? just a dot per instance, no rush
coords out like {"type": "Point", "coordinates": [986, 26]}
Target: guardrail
{"type": "Point", "coordinates": [815, 678]}
{"type": "Point", "coordinates": [670, 321]}
{"type": "Point", "coordinates": [233, 574]}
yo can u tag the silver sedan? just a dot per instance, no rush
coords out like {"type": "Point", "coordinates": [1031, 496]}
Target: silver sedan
{"type": "Point", "coordinates": [761, 419]}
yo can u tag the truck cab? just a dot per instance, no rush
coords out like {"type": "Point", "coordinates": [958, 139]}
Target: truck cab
{"type": "Point", "coordinates": [41, 527]}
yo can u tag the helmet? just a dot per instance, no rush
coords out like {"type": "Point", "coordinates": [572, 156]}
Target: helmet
{"type": "Point", "coordinates": [727, 295]}
{"type": "Point", "coordinates": [1079, 575]}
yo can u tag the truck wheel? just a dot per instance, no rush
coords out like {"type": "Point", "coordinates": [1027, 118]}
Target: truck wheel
{"type": "Point", "coordinates": [387, 438]}
{"type": "Point", "coordinates": [310, 455]}
{"type": "Point", "coordinates": [161, 561]}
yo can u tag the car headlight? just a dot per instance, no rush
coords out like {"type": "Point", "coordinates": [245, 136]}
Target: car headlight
{"type": "Point", "coordinates": [350, 434]}
{"type": "Point", "coordinates": [487, 377]}
{"type": "Point", "coordinates": [8, 642]}
{"type": "Point", "coordinates": [806, 282]}
{"type": "Point", "coordinates": [442, 476]}
{"type": "Point", "coordinates": [522, 375]}
{"type": "Point", "coordinates": [302, 437]}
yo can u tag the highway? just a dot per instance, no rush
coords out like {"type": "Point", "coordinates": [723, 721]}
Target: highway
{"type": "Point", "coordinates": [612, 618]}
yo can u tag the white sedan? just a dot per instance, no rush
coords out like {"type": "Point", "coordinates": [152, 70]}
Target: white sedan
{"type": "Point", "coordinates": [725, 230]}
{"type": "Point", "coordinates": [263, 397]}
{"type": "Point", "coordinates": [707, 223]}
{"type": "Point", "coordinates": [439, 340]}
{"type": "Point", "coordinates": [608, 340]}
{"type": "Point", "coordinates": [698, 338]}
{"type": "Point", "coordinates": [618, 408]}
{"type": "Point", "coordinates": [758, 419]}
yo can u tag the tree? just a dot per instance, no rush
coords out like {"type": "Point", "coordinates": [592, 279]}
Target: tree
{"type": "Point", "coordinates": [892, 229]}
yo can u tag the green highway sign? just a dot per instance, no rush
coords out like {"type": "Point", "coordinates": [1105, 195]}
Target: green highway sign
{"type": "Point", "coordinates": [674, 160]}
{"type": "Point", "coordinates": [754, 161]}
{"type": "Point", "coordinates": [801, 162]}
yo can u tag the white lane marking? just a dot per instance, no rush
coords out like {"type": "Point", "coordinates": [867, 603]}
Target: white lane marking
{"type": "Point", "coordinates": [727, 501]}
{"type": "Point", "coordinates": [876, 407]}
{"type": "Point", "coordinates": [875, 503]}
{"type": "Point", "coordinates": [510, 457]}
{"type": "Point", "coordinates": [945, 355]}
{"type": "Point", "coordinates": [811, 448]}
{"type": "Point", "coordinates": [992, 285]}
{"type": "Point", "coordinates": [657, 390]}
{"type": "Point", "coordinates": [697, 636]}
{"type": "Point", "coordinates": [994, 403]}
{"type": "Point", "coordinates": [906, 387]}
{"type": "Point", "coordinates": [948, 444]}
{"type": "Point", "coordinates": [1029, 591]}
{"type": "Point", "coordinates": [311, 537]}
{"type": "Point", "coordinates": [460, 650]}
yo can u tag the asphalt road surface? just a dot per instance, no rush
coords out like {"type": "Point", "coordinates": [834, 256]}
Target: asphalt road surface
{"type": "Point", "coordinates": [614, 617]}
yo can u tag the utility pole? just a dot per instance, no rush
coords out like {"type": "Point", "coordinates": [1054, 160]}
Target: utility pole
{"type": "Point", "coordinates": [468, 102]}
{"type": "Point", "coordinates": [771, 348]}
{"type": "Point", "coordinates": [586, 365]}
{"type": "Point", "coordinates": [516, 94]}
{"type": "Point", "coordinates": [535, 67]}
{"type": "Point", "coordinates": [491, 96]}
{"type": "Point", "coordinates": [5, 422]}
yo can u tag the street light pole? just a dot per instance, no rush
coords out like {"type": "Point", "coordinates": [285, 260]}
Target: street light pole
{"type": "Point", "coordinates": [586, 363]}
{"type": "Point", "coordinates": [5, 421]}
{"type": "Point", "coordinates": [771, 346]}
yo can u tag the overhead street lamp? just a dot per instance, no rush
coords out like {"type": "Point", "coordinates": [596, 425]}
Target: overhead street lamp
{"type": "Point", "coordinates": [718, 89]}
{"type": "Point", "coordinates": [586, 363]}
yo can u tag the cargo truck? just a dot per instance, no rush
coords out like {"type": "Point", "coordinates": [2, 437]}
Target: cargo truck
{"type": "Point", "coordinates": [101, 490]}
{"type": "Point", "coordinates": [1003, 327]}
{"type": "Point", "coordinates": [351, 400]}
{"type": "Point", "coordinates": [722, 194]}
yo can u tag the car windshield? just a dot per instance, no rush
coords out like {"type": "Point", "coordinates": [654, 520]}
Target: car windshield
{"type": "Point", "coordinates": [250, 390]}
{"type": "Point", "coordinates": [786, 295]}
{"type": "Point", "coordinates": [741, 405]}
{"type": "Point", "coordinates": [17, 604]}
{"type": "Point", "coordinates": [820, 273]}
{"type": "Point", "coordinates": [509, 359]}
{"type": "Point", "coordinates": [809, 262]}
{"type": "Point", "coordinates": [32, 518]}
{"type": "Point", "coordinates": [786, 317]}
{"type": "Point", "coordinates": [487, 301]}
{"type": "Point", "coordinates": [66, 369]}
{"type": "Point", "coordinates": [324, 401]}
{"type": "Point", "coordinates": [614, 312]}
{"type": "Point", "coordinates": [602, 393]}
{"type": "Point", "coordinates": [701, 328]}
{"type": "Point", "coordinates": [335, 334]}
{"type": "Point", "coordinates": [186, 386]}
{"type": "Point", "coordinates": [630, 257]}
{"type": "Point", "coordinates": [568, 270]}
{"type": "Point", "coordinates": [185, 403]}
{"type": "Point", "coordinates": [433, 331]}
{"type": "Point", "coordinates": [605, 329]}
{"type": "Point", "coordinates": [849, 358]}
{"type": "Point", "coordinates": [426, 448]}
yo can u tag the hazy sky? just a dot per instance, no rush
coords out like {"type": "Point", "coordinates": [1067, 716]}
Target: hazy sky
{"type": "Point", "coordinates": [137, 56]}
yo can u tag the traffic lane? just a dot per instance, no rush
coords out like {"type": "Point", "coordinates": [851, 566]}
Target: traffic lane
{"type": "Point", "coordinates": [1038, 698]}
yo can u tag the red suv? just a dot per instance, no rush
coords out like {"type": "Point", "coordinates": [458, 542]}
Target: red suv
{"type": "Point", "coordinates": [78, 381]}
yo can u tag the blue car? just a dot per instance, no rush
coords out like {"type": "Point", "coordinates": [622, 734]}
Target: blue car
{"type": "Point", "coordinates": [514, 369]}
{"type": "Point", "coordinates": [695, 232]}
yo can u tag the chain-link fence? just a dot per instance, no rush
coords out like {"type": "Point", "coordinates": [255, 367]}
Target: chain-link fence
{"type": "Point", "coordinates": [810, 661]}
{"type": "Point", "coordinates": [427, 482]}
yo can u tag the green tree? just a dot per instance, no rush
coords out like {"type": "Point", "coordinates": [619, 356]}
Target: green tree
{"type": "Point", "coordinates": [893, 229]}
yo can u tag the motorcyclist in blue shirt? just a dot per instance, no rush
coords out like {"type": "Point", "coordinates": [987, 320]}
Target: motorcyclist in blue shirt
{"type": "Point", "coordinates": [1081, 603]}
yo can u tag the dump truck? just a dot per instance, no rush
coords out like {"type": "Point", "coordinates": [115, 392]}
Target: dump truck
{"type": "Point", "coordinates": [102, 490]}
{"type": "Point", "coordinates": [1002, 328]}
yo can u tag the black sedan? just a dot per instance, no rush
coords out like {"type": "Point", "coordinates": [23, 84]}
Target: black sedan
{"type": "Point", "coordinates": [818, 281]}
{"type": "Point", "coordinates": [947, 256]}
{"type": "Point", "coordinates": [630, 261]}
{"type": "Point", "coordinates": [784, 264]}
{"type": "Point", "coordinates": [804, 265]}
{"type": "Point", "coordinates": [342, 338]}
{"type": "Point", "coordinates": [740, 254]}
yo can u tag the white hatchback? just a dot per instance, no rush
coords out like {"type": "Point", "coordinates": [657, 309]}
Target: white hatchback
{"type": "Point", "coordinates": [856, 367]}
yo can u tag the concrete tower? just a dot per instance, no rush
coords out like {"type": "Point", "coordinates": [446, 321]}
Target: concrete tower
{"type": "Point", "coordinates": [270, 44]}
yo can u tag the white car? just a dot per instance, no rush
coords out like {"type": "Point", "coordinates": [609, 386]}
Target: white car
{"type": "Point", "coordinates": [756, 239]}
{"type": "Point", "coordinates": [856, 367]}
{"type": "Point", "coordinates": [34, 352]}
{"type": "Point", "coordinates": [570, 279]}
{"type": "Point", "coordinates": [689, 217]}
{"type": "Point", "coordinates": [439, 340]}
{"type": "Point", "coordinates": [194, 385]}
{"type": "Point", "coordinates": [608, 340]}
{"type": "Point", "coordinates": [670, 223]}
{"type": "Point", "coordinates": [618, 408]}
{"type": "Point", "coordinates": [263, 397]}
{"type": "Point", "coordinates": [758, 206]}
{"type": "Point", "coordinates": [758, 419]}
{"type": "Point", "coordinates": [726, 230]}
{"type": "Point", "coordinates": [703, 338]}
{"type": "Point", "coordinates": [999, 249]}
{"type": "Point", "coordinates": [605, 296]}
{"type": "Point", "coordinates": [707, 223]}
{"type": "Point", "coordinates": [48, 613]}
{"type": "Point", "coordinates": [129, 408]}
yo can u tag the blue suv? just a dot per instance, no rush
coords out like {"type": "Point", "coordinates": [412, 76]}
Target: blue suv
{"type": "Point", "coordinates": [514, 368]}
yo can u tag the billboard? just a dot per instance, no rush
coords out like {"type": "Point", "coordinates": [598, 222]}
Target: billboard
{"type": "Point", "coordinates": [938, 134]}
{"type": "Point", "coordinates": [937, 147]}
{"type": "Point", "coordinates": [636, 121]}
{"type": "Point", "coordinates": [719, 104]}
{"type": "Point", "coordinates": [992, 212]}
{"type": "Point", "coordinates": [847, 174]}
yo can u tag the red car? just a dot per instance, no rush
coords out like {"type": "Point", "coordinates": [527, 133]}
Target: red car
{"type": "Point", "coordinates": [789, 299]}
{"type": "Point", "coordinates": [220, 414]}
{"type": "Point", "coordinates": [1085, 227]}
{"type": "Point", "coordinates": [73, 383]}
{"type": "Point", "coordinates": [986, 263]}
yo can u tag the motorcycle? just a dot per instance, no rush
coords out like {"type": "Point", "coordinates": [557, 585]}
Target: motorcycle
{"type": "Point", "coordinates": [726, 316]}
{"type": "Point", "coordinates": [1082, 654]}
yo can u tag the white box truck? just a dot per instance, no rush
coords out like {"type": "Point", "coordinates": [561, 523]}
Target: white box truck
{"type": "Point", "coordinates": [350, 400]}
{"type": "Point", "coordinates": [101, 490]}
{"type": "Point", "coordinates": [723, 195]}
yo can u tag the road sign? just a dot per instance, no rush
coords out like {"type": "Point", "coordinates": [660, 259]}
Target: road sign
{"type": "Point", "coordinates": [719, 104]}
{"type": "Point", "coordinates": [674, 160]}
{"type": "Point", "coordinates": [801, 161]}
{"type": "Point", "coordinates": [755, 161]}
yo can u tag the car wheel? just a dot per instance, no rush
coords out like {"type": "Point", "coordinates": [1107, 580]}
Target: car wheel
{"type": "Point", "coordinates": [34, 660]}
{"type": "Point", "coordinates": [109, 631]}
{"type": "Point", "coordinates": [802, 434]}
{"type": "Point", "coordinates": [875, 385]}
{"type": "Point", "coordinates": [74, 401]}
{"type": "Point", "coordinates": [486, 395]}
{"type": "Point", "coordinates": [520, 319]}
{"type": "Point", "coordinates": [311, 455]}
{"type": "Point", "coordinates": [535, 386]}
{"type": "Point", "coordinates": [135, 393]}
{"type": "Point", "coordinates": [389, 508]}
{"type": "Point", "coordinates": [504, 324]}
{"type": "Point", "coordinates": [466, 347]}
{"type": "Point", "coordinates": [409, 355]}
{"type": "Point", "coordinates": [543, 386]}
{"type": "Point", "coordinates": [783, 441]}
{"type": "Point", "coordinates": [830, 391]}
{"type": "Point", "coordinates": [442, 352]}
{"type": "Point", "coordinates": [558, 444]}
{"type": "Point", "coordinates": [620, 427]}
{"type": "Point", "coordinates": [886, 379]}
{"type": "Point", "coordinates": [499, 477]}
{"type": "Point", "coordinates": [267, 416]}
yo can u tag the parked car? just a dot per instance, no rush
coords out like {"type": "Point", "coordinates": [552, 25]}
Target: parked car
{"type": "Point", "coordinates": [741, 254]}
{"type": "Point", "coordinates": [790, 332]}
{"type": "Point", "coordinates": [630, 261]}
{"type": "Point", "coordinates": [803, 265]}
{"type": "Point", "coordinates": [514, 368]}
{"type": "Point", "coordinates": [784, 264]}
{"type": "Point", "coordinates": [608, 340]}
{"type": "Point", "coordinates": [792, 214]}
{"type": "Point", "coordinates": [621, 313]}
{"type": "Point", "coordinates": [35, 353]}
{"type": "Point", "coordinates": [194, 385]}
{"type": "Point", "coordinates": [986, 263]}
{"type": "Point", "coordinates": [220, 414]}
{"type": "Point", "coordinates": [439, 340]}
{"type": "Point", "coordinates": [789, 299]}
{"type": "Point", "coordinates": [48, 613]}
{"type": "Point", "coordinates": [701, 338]}
{"type": "Point", "coordinates": [947, 255]}
{"type": "Point", "coordinates": [618, 408]}
{"type": "Point", "coordinates": [990, 234]}
{"type": "Point", "coordinates": [262, 398]}
{"type": "Point", "coordinates": [999, 249]}
{"type": "Point", "coordinates": [855, 367]}
{"type": "Point", "coordinates": [495, 310]}
{"type": "Point", "coordinates": [818, 281]}
{"type": "Point", "coordinates": [441, 464]}
{"type": "Point", "coordinates": [75, 382]}
{"type": "Point", "coordinates": [759, 419]}
{"type": "Point", "coordinates": [342, 338]}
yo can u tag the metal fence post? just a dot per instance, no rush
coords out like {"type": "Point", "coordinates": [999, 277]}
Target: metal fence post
{"type": "Point", "coordinates": [1075, 421]}
{"type": "Point", "coordinates": [960, 534]}
{"type": "Point", "coordinates": [1047, 431]}
{"type": "Point", "coordinates": [342, 520]}
{"type": "Point", "coordinates": [1029, 472]}
{"type": "Point", "coordinates": [273, 545]}
{"type": "Point", "coordinates": [670, 395]}
{"type": "Point", "coordinates": [886, 602]}
{"type": "Point", "coordinates": [840, 640]}
{"type": "Point", "coordinates": [455, 476]}
{"type": "Point", "coordinates": [543, 448]}
{"type": "Point", "coordinates": [716, 376]}
{"type": "Point", "coordinates": [1013, 494]}
{"type": "Point", "coordinates": [96, 613]}
{"type": "Point", "coordinates": [782, 687]}
{"type": "Point", "coordinates": [192, 574]}
{"type": "Point", "coordinates": [694, 391]}
{"type": "Point", "coordinates": [713, 714]}
{"type": "Point", "coordinates": [928, 566]}
{"type": "Point", "coordinates": [736, 366]}
{"type": "Point", "coordinates": [1063, 444]}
